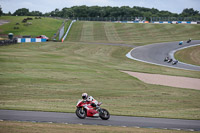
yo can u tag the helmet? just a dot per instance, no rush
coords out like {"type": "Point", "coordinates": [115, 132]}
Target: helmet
{"type": "Point", "coordinates": [84, 96]}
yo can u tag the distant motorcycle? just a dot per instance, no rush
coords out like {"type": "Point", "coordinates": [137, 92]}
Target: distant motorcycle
{"type": "Point", "coordinates": [188, 41]}
{"type": "Point", "coordinates": [181, 42]}
{"type": "Point", "coordinates": [84, 109]}
{"type": "Point", "coordinates": [170, 60]}
{"type": "Point", "coordinates": [166, 59]}
{"type": "Point", "coordinates": [174, 62]}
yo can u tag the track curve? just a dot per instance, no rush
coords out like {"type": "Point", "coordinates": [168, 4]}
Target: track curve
{"type": "Point", "coordinates": [155, 54]}
{"type": "Point", "coordinates": [123, 121]}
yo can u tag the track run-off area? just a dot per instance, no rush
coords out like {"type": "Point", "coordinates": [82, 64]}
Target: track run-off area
{"type": "Point", "coordinates": [153, 54]}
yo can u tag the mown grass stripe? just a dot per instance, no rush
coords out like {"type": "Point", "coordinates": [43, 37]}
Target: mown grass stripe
{"type": "Point", "coordinates": [99, 32]}
{"type": "Point", "coordinates": [111, 32]}
{"type": "Point", "coordinates": [75, 35]}
{"type": "Point", "coordinates": [87, 34]}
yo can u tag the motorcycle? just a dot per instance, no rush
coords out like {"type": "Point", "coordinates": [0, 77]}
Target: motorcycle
{"type": "Point", "coordinates": [181, 42]}
{"type": "Point", "coordinates": [166, 59]}
{"type": "Point", "coordinates": [84, 109]}
{"type": "Point", "coordinates": [174, 62]}
{"type": "Point", "coordinates": [170, 60]}
{"type": "Point", "coordinates": [188, 41]}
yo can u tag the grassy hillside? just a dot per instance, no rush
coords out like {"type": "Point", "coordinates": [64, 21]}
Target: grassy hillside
{"type": "Point", "coordinates": [51, 77]}
{"type": "Point", "coordinates": [189, 55]}
{"type": "Point", "coordinates": [137, 34]}
{"type": "Point", "coordinates": [43, 26]}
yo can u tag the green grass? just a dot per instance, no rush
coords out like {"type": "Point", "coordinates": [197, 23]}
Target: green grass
{"type": "Point", "coordinates": [24, 127]}
{"type": "Point", "coordinates": [136, 34]}
{"type": "Point", "coordinates": [44, 26]}
{"type": "Point", "coordinates": [65, 29]}
{"type": "Point", "coordinates": [51, 77]}
{"type": "Point", "coordinates": [189, 55]}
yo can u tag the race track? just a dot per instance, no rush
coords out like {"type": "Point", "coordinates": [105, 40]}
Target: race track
{"type": "Point", "coordinates": [123, 121]}
{"type": "Point", "coordinates": [155, 54]}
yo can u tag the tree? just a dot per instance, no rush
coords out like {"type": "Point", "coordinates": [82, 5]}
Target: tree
{"type": "Point", "coordinates": [94, 11]}
{"type": "Point", "coordinates": [9, 13]}
{"type": "Point", "coordinates": [67, 12]}
{"type": "Point", "coordinates": [80, 11]}
{"type": "Point", "coordinates": [21, 12]}
{"type": "Point", "coordinates": [125, 11]}
{"type": "Point", "coordinates": [35, 13]}
{"type": "Point", "coordinates": [1, 12]}
{"type": "Point", "coordinates": [111, 13]}
{"type": "Point", "coordinates": [188, 12]}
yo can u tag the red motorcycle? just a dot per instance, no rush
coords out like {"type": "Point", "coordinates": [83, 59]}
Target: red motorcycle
{"type": "Point", "coordinates": [84, 109]}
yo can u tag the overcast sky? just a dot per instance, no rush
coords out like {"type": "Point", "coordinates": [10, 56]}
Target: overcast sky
{"type": "Point", "coordinates": [175, 6]}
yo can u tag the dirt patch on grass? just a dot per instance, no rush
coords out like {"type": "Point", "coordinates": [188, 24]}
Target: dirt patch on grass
{"type": "Point", "coordinates": [174, 81]}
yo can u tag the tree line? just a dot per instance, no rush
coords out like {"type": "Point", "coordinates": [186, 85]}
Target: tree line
{"type": "Point", "coordinates": [106, 11]}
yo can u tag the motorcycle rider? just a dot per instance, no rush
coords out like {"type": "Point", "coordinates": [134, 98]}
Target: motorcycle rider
{"type": "Point", "coordinates": [189, 40]}
{"type": "Point", "coordinates": [94, 103]}
{"type": "Point", "coordinates": [181, 42]}
{"type": "Point", "coordinates": [166, 59]}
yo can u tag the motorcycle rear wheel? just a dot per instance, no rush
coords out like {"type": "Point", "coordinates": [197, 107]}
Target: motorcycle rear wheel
{"type": "Point", "coordinates": [104, 114]}
{"type": "Point", "coordinates": [81, 113]}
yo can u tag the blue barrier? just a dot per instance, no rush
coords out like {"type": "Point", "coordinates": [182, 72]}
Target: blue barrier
{"type": "Point", "coordinates": [43, 40]}
{"type": "Point", "coordinates": [25, 40]}
{"type": "Point", "coordinates": [174, 22]}
{"type": "Point", "coordinates": [33, 40]}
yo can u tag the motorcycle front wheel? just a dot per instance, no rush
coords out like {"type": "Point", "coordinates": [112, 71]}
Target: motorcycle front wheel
{"type": "Point", "coordinates": [81, 113]}
{"type": "Point", "coordinates": [104, 114]}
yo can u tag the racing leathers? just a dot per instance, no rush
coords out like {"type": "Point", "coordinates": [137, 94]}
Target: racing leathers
{"type": "Point", "coordinates": [92, 102]}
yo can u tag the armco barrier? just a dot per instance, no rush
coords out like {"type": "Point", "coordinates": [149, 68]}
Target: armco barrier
{"type": "Point", "coordinates": [68, 30]}
{"type": "Point", "coordinates": [24, 40]}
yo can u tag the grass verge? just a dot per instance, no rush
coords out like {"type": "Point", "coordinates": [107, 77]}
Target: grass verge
{"type": "Point", "coordinates": [189, 55]}
{"type": "Point", "coordinates": [24, 127]}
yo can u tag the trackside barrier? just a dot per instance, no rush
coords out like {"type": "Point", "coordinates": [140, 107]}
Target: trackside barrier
{"type": "Point", "coordinates": [24, 40]}
{"type": "Point", "coordinates": [130, 21]}
{"type": "Point", "coordinates": [68, 30]}
{"type": "Point", "coordinates": [159, 22]}
{"type": "Point", "coordinates": [174, 22]}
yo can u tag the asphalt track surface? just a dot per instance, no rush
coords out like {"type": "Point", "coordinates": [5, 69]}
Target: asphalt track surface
{"type": "Point", "coordinates": [123, 121]}
{"type": "Point", "coordinates": [156, 53]}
